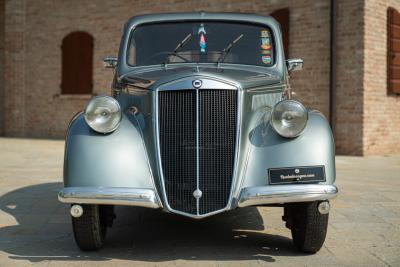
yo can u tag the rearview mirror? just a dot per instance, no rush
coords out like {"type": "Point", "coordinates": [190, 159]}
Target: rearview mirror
{"type": "Point", "coordinates": [294, 64]}
{"type": "Point", "coordinates": [110, 62]}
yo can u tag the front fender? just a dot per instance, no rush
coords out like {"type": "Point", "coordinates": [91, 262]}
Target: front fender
{"type": "Point", "coordinates": [117, 159]}
{"type": "Point", "coordinates": [268, 150]}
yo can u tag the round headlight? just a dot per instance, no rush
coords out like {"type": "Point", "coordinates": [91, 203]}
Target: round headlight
{"type": "Point", "coordinates": [103, 114]}
{"type": "Point", "coordinates": [289, 118]}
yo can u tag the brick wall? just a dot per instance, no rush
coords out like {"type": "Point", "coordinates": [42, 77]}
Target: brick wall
{"type": "Point", "coordinates": [2, 16]}
{"type": "Point", "coordinates": [381, 131]}
{"type": "Point", "coordinates": [14, 69]}
{"type": "Point", "coordinates": [367, 120]}
{"type": "Point", "coordinates": [349, 90]}
{"type": "Point", "coordinates": [34, 31]}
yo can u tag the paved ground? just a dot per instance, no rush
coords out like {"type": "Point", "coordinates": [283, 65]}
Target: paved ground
{"type": "Point", "coordinates": [364, 228]}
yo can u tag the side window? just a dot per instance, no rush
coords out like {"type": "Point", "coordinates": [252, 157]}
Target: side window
{"type": "Point", "coordinates": [283, 17]}
{"type": "Point", "coordinates": [393, 51]}
{"type": "Point", "coordinates": [77, 63]}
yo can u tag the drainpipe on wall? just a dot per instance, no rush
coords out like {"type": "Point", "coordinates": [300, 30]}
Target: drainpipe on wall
{"type": "Point", "coordinates": [332, 69]}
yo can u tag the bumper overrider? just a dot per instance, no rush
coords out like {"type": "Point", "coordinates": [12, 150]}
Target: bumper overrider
{"type": "Point", "coordinates": [148, 198]}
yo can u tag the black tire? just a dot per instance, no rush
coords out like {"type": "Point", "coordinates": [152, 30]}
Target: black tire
{"type": "Point", "coordinates": [90, 229]}
{"type": "Point", "coordinates": [307, 224]}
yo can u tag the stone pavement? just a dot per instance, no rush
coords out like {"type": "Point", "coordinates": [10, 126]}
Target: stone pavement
{"type": "Point", "coordinates": [35, 229]}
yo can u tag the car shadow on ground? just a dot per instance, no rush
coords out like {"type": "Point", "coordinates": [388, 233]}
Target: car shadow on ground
{"type": "Point", "coordinates": [43, 232]}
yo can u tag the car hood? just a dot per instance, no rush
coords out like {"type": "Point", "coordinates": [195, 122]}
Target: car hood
{"type": "Point", "coordinates": [244, 77]}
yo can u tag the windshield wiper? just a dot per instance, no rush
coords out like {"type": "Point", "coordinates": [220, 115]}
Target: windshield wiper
{"type": "Point", "coordinates": [178, 47]}
{"type": "Point", "coordinates": [227, 49]}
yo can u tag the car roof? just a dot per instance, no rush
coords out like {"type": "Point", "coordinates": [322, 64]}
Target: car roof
{"type": "Point", "coordinates": [202, 15]}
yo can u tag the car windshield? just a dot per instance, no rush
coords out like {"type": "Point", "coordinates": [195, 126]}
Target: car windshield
{"type": "Point", "coordinates": [201, 42]}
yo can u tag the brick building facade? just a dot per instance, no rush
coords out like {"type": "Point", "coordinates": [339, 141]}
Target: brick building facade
{"type": "Point", "coordinates": [366, 121]}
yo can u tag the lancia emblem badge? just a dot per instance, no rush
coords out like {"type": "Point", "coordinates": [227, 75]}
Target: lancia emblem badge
{"type": "Point", "coordinates": [197, 193]}
{"type": "Point", "coordinates": [197, 83]}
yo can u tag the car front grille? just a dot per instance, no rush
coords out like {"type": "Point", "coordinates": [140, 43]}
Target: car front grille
{"type": "Point", "coordinates": [197, 138]}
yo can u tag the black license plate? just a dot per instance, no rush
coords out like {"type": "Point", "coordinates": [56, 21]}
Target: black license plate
{"type": "Point", "coordinates": [292, 175]}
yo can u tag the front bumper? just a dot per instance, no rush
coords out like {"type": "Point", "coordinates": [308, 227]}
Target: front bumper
{"type": "Point", "coordinates": [279, 194]}
{"type": "Point", "coordinates": [147, 198]}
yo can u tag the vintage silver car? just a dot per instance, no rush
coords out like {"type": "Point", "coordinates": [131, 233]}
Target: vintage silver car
{"type": "Point", "coordinates": [201, 120]}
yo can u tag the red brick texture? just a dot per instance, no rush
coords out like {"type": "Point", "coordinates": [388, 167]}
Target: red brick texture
{"type": "Point", "coordinates": [14, 92]}
{"type": "Point", "coordinates": [349, 91]}
{"type": "Point", "coordinates": [2, 17]}
{"type": "Point", "coordinates": [35, 29]}
{"type": "Point", "coordinates": [32, 62]}
{"type": "Point", "coordinates": [381, 118]}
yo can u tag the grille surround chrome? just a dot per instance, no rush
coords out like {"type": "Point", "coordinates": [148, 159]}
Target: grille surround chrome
{"type": "Point", "coordinates": [207, 84]}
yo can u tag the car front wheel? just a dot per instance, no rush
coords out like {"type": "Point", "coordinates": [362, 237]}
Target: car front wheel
{"type": "Point", "coordinates": [91, 227]}
{"type": "Point", "coordinates": [307, 224]}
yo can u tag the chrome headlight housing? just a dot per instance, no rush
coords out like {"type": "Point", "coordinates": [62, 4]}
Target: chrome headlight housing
{"type": "Point", "coordinates": [289, 118]}
{"type": "Point", "coordinates": [103, 114]}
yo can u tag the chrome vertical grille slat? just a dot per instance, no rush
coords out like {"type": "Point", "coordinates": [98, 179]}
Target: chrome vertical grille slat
{"type": "Point", "coordinates": [197, 129]}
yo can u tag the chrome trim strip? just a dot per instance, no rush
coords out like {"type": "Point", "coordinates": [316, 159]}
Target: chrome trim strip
{"type": "Point", "coordinates": [157, 134]}
{"type": "Point", "coordinates": [207, 83]}
{"type": "Point", "coordinates": [139, 197]}
{"type": "Point", "coordinates": [279, 194]}
{"type": "Point", "coordinates": [197, 149]}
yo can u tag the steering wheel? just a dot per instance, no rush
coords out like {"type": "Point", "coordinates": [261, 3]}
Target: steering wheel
{"type": "Point", "coordinates": [164, 54]}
